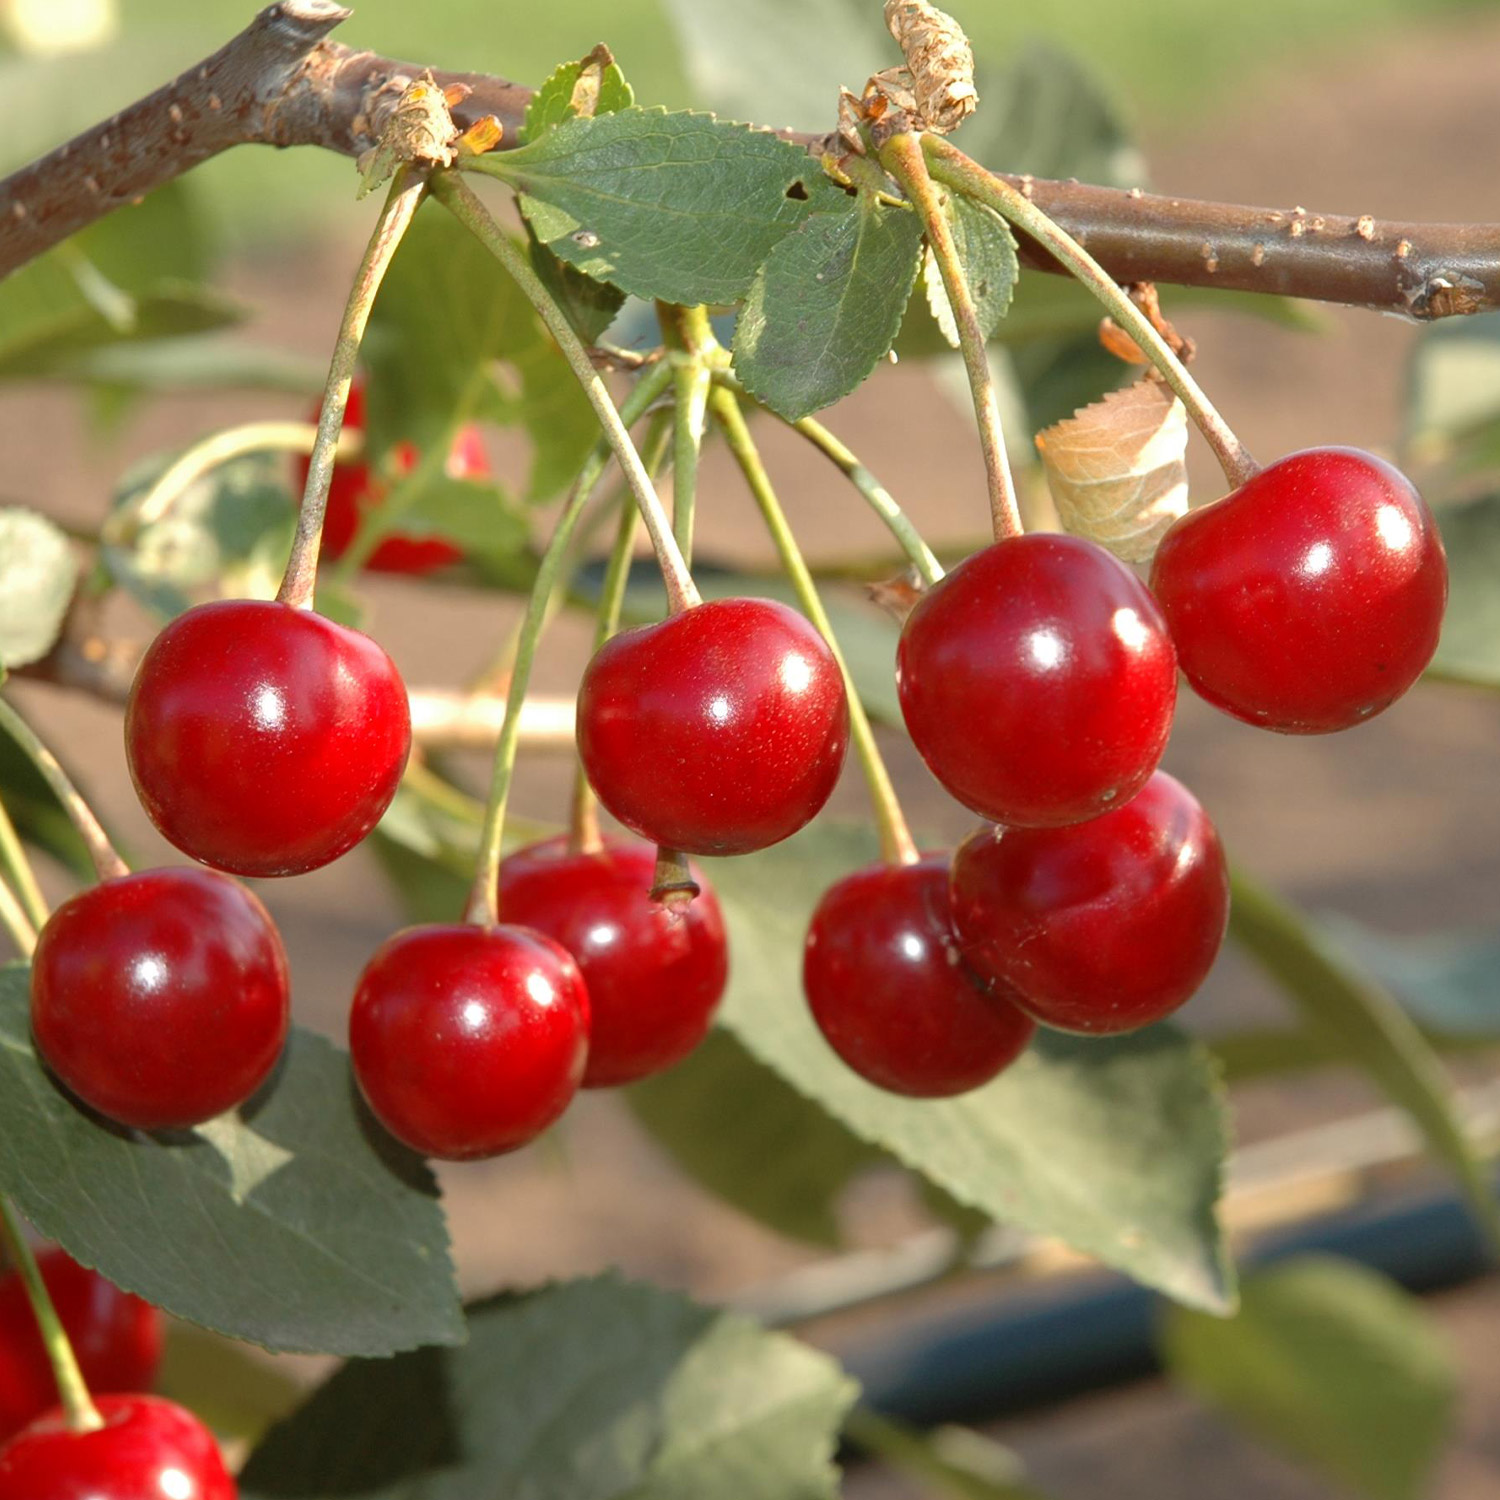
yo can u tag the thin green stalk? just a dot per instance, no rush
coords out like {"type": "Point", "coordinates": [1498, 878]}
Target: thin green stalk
{"type": "Point", "coordinates": [106, 861]}
{"type": "Point", "coordinates": [895, 837]}
{"type": "Point", "coordinates": [583, 824]}
{"type": "Point", "coordinates": [16, 868]}
{"type": "Point", "coordinates": [19, 927]}
{"type": "Point", "coordinates": [483, 906]}
{"type": "Point", "coordinates": [82, 1414]}
{"type": "Point", "coordinates": [688, 334]}
{"type": "Point", "coordinates": [459, 199]}
{"type": "Point", "coordinates": [953, 169]}
{"type": "Point", "coordinates": [300, 579]}
{"type": "Point", "coordinates": [903, 159]}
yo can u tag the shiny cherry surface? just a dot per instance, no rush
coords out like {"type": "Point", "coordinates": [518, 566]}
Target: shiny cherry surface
{"type": "Point", "coordinates": [718, 731]}
{"type": "Point", "coordinates": [654, 978]}
{"type": "Point", "coordinates": [161, 998]}
{"type": "Point", "coordinates": [263, 739]}
{"type": "Point", "coordinates": [148, 1449]}
{"type": "Point", "coordinates": [1310, 598]}
{"type": "Point", "coordinates": [1101, 927]}
{"type": "Point", "coordinates": [117, 1338]}
{"type": "Point", "coordinates": [469, 1042]}
{"type": "Point", "coordinates": [354, 490]}
{"type": "Point", "coordinates": [891, 992]}
{"type": "Point", "coordinates": [1037, 681]}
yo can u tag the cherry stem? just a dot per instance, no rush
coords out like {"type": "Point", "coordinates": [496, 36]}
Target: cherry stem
{"type": "Point", "coordinates": [82, 1414]}
{"type": "Point", "coordinates": [16, 868]}
{"type": "Point", "coordinates": [673, 884]}
{"type": "Point", "coordinates": [895, 837]}
{"type": "Point", "coordinates": [687, 330]}
{"type": "Point", "coordinates": [951, 167]}
{"type": "Point", "coordinates": [460, 200]}
{"type": "Point", "coordinates": [407, 191]}
{"type": "Point", "coordinates": [202, 458]}
{"type": "Point", "coordinates": [107, 863]}
{"type": "Point", "coordinates": [879, 499]}
{"type": "Point", "coordinates": [483, 907]}
{"type": "Point", "coordinates": [903, 159]}
{"type": "Point", "coordinates": [18, 926]}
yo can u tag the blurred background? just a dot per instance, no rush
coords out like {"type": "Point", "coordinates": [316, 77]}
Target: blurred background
{"type": "Point", "coordinates": [1385, 107]}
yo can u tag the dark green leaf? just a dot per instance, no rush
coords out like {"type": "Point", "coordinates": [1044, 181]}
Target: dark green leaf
{"type": "Point", "coordinates": [1469, 650]}
{"type": "Point", "coordinates": [1352, 1012]}
{"type": "Point", "coordinates": [587, 1390]}
{"type": "Point", "coordinates": [298, 1224]}
{"type": "Point", "coordinates": [1331, 1362]}
{"type": "Point", "coordinates": [594, 85]}
{"type": "Point", "coordinates": [827, 305]}
{"type": "Point", "coordinates": [1112, 1145]}
{"type": "Point", "coordinates": [678, 206]}
{"type": "Point", "coordinates": [36, 812]}
{"type": "Point", "coordinates": [987, 255]}
{"type": "Point", "coordinates": [37, 575]}
{"type": "Point", "coordinates": [591, 306]}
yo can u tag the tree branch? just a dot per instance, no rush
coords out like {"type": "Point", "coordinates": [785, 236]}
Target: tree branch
{"type": "Point", "coordinates": [282, 83]}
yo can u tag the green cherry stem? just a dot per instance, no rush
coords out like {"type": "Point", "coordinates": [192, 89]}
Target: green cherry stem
{"type": "Point", "coordinates": [483, 906]}
{"type": "Point", "coordinates": [18, 926]}
{"type": "Point", "coordinates": [954, 170]}
{"type": "Point", "coordinates": [687, 331]}
{"type": "Point", "coordinates": [16, 869]}
{"type": "Point", "coordinates": [902, 157]}
{"type": "Point", "coordinates": [107, 863]}
{"type": "Point", "coordinates": [300, 579]}
{"type": "Point", "coordinates": [895, 837]}
{"type": "Point", "coordinates": [459, 199]}
{"type": "Point", "coordinates": [78, 1405]}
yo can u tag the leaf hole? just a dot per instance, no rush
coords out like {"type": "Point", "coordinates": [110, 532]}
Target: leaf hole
{"type": "Point", "coordinates": [798, 191]}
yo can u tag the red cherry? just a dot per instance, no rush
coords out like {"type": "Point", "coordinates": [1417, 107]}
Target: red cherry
{"type": "Point", "coordinates": [1037, 681]}
{"type": "Point", "coordinates": [654, 978]}
{"type": "Point", "coordinates": [354, 490]}
{"type": "Point", "coordinates": [1310, 598]}
{"type": "Point", "coordinates": [891, 992]}
{"type": "Point", "coordinates": [117, 1338]}
{"type": "Point", "coordinates": [719, 730]}
{"type": "Point", "coordinates": [1101, 927]}
{"type": "Point", "coordinates": [263, 739]}
{"type": "Point", "coordinates": [148, 1449]}
{"type": "Point", "coordinates": [469, 1042]}
{"type": "Point", "coordinates": [160, 999]}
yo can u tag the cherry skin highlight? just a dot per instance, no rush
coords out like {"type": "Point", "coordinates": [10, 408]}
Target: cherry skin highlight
{"type": "Point", "coordinates": [654, 979]}
{"type": "Point", "coordinates": [1037, 681]}
{"type": "Point", "coordinates": [468, 1042]}
{"type": "Point", "coordinates": [117, 1338]}
{"type": "Point", "coordinates": [1309, 599]}
{"type": "Point", "coordinates": [891, 992]}
{"type": "Point", "coordinates": [263, 739]}
{"type": "Point", "coordinates": [355, 489]}
{"type": "Point", "coordinates": [161, 998]}
{"type": "Point", "coordinates": [1102, 927]}
{"type": "Point", "coordinates": [148, 1449]}
{"type": "Point", "coordinates": [720, 730]}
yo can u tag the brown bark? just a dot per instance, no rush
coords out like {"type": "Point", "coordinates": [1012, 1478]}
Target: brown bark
{"type": "Point", "coordinates": [282, 83]}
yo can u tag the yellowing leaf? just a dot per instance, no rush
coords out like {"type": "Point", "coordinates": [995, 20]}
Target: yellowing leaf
{"type": "Point", "coordinates": [1117, 469]}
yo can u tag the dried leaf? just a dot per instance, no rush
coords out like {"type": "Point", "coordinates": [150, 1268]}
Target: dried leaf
{"type": "Point", "coordinates": [1118, 470]}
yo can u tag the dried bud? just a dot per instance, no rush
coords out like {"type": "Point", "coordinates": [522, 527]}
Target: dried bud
{"type": "Point", "coordinates": [939, 62]}
{"type": "Point", "coordinates": [416, 127]}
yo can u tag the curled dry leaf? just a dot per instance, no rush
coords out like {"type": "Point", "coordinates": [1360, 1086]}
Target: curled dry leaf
{"type": "Point", "coordinates": [1118, 469]}
{"type": "Point", "coordinates": [939, 61]}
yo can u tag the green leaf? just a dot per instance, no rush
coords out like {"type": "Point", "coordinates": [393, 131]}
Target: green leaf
{"type": "Point", "coordinates": [589, 1390]}
{"type": "Point", "coordinates": [38, 573]}
{"type": "Point", "coordinates": [236, 1390]}
{"type": "Point", "coordinates": [1112, 1145]}
{"type": "Point", "coordinates": [955, 1463]}
{"type": "Point", "coordinates": [298, 1224]}
{"type": "Point", "coordinates": [1348, 1009]}
{"type": "Point", "coordinates": [36, 812]}
{"type": "Point", "coordinates": [476, 515]}
{"type": "Point", "coordinates": [589, 305]}
{"type": "Point", "coordinates": [987, 255]}
{"type": "Point", "coordinates": [594, 85]}
{"type": "Point", "coordinates": [1453, 387]}
{"type": "Point", "coordinates": [827, 305]}
{"type": "Point", "coordinates": [678, 206]}
{"type": "Point", "coordinates": [1469, 650]}
{"type": "Point", "coordinates": [1332, 1363]}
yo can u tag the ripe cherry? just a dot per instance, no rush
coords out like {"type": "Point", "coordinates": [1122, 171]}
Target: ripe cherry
{"type": "Point", "coordinates": [717, 731]}
{"type": "Point", "coordinates": [466, 1041]}
{"type": "Point", "coordinates": [160, 998]}
{"type": "Point", "coordinates": [1310, 598]}
{"type": "Point", "coordinates": [117, 1338]}
{"type": "Point", "coordinates": [263, 739]}
{"type": "Point", "coordinates": [1101, 927]}
{"type": "Point", "coordinates": [355, 490]}
{"type": "Point", "coordinates": [654, 977]}
{"type": "Point", "coordinates": [893, 995]}
{"type": "Point", "coordinates": [148, 1449]}
{"type": "Point", "coordinates": [1037, 681]}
